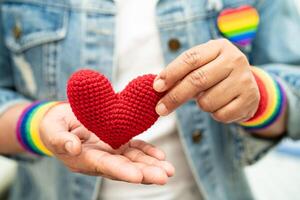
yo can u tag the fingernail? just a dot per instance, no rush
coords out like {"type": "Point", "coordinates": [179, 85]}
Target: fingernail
{"type": "Point", "coordinates": [159, 85]}
{"type": "Point", "coordinates": [161, 109]}
{"type": "Point", "coordinates": [156, 78]}
{"type": "Point", "coordinates": [68, 146]}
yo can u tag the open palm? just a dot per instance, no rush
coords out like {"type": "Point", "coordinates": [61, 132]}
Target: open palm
{"type": "Point", "coordinates": [83, 152]}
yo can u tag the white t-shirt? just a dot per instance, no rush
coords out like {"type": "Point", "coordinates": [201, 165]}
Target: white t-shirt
{"type": "Point", "coordinates": [139, 52]}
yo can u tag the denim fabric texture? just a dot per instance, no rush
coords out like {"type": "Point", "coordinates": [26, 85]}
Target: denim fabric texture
{"type": "Point", "coordinates": [43, 41]}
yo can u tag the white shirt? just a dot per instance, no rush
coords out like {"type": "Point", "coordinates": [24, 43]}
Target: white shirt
{"type": "Point", "coordinates": [139, 52]}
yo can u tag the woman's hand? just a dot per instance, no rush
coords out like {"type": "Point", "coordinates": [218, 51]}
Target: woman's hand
{"type": "Point", "coordinates": [83, 152]}
{"type": "Point", "coordinates": [218, 75]}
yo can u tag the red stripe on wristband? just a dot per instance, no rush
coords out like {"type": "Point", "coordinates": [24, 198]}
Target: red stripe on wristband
{"type": "Point", "coordinates": [263, 97]}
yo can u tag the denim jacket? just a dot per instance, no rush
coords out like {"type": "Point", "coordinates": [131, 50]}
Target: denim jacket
{"type": "Point", "coordinates": [43, 41]}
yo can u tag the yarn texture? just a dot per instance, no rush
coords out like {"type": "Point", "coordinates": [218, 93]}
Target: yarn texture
{"type": "Point", "coordinates": [114, 117]}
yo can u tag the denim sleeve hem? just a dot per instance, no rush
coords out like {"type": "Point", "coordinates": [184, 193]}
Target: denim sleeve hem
{"type": "Point", "coordinates": [289, 77]}
{"type": "Point", "coordinates": [24, 157]}
{"type": "Point", "coordinates": [254, 148]}
{"type": "Point", "coordinates": [12, 99]}
{"type": "Point", "coordinates": [293, 119]}
{"type": "Point", "coordinates": [7, 105]}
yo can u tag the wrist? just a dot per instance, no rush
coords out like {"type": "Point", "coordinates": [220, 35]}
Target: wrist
{"type": "Point", "coordinates": [27, 128]}
{"type": "Point", "coordinates": [272, 103]}
{"type": "Point", "coordinates": [8, 121]}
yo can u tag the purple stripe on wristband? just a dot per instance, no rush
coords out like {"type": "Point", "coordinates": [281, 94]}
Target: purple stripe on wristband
{"type": "Point", "coordinates": [284, 98]}
{"type": "Point", "coordinates": [19, 125]}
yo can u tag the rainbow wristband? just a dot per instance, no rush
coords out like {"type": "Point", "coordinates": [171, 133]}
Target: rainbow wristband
{"type": "Point", "coordinates": [272, 103]}
{"type": "Point", "coordinates": [27, 129]}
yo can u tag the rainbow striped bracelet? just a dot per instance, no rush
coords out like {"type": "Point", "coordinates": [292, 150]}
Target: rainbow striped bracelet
{"type": "Point", "coordinates": [273, 102]}
{"type": "Point", "coordinates": [27, 129]}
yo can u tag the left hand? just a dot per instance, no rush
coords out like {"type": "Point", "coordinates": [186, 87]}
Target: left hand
{"type": "Point", "coordinates": [218, 75]}
{"type": "Point", "coordinates": [81, 151]}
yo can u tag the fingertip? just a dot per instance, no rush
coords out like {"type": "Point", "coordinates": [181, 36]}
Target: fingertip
{"type": "Point", "coordinates": [157, 153]}
{"type": "Point", "coordinates": [155, 175]}
{"type": "Point", "coordinates": [159, 84]}
{"type": "Point", "coordinates": [169, 168]}
{"type": "Point", "coordinates": [156, 77]}
{"type": "Point", "coordinates": [161, 109]}
{"type": "Point", "coordinates": [69, 146]}
{"type": "Point", "coordinates": [73, 147]}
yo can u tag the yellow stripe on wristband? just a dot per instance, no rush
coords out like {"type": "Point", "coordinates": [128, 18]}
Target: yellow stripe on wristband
{"type": "Point", "coordinates": [34, 126]}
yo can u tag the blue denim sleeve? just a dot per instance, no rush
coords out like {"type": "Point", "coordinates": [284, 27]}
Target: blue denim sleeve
{"type": "Point", "coordinates": [8, 96]}
{"type": "Point", "coordinates": [277, 50]}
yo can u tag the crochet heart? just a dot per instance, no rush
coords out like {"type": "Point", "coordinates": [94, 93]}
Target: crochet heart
{"type": "Point", "coordinates": [114, 117]}
{"type": "Point", "coordinates": [239, 25]}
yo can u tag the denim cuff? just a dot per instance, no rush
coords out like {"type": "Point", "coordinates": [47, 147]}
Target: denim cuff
{"type": "Point", "coordinates": [293, 113]}
{"type": "Point", "coordinates": [8, 99]}
{"type": "Point", "coordinates": [289, 76]}
{"type": "Point", "coordinates": [254, 148]}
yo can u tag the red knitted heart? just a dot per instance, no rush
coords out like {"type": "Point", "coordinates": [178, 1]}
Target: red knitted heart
{"type": "Point", "coordinates": [114, 117]}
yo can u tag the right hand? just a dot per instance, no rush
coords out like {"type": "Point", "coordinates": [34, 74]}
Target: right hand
{"type": "Point", "coordinates": [83, 152]}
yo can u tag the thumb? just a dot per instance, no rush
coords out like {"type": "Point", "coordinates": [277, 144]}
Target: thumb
{"type": "Point", "coordinates": [55, 131]}
{"type": "Point", "coordinates": [68, 143]}
{"type": "Point", "coordinates": [61, 142]}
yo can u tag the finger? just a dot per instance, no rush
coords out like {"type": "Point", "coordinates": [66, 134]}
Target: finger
{"type": "Point", "coordinates": [58, 139]}
{"type": "Point", "coordinates": [194, 83]}
{"type": "Point", "coordinates": [85, 172]}
{"type": "Point", "coordinates": [117, 166]}
{"type": "Point", "coordinates": [148, 149]}
{"type": "Point", "coordinates": [243, 119]}
{"type": "Point", "coordinates": [185, 63]}
{"type": "Point", "coordinates": [82, 133]}
{"type": "Point", "coordinates": [234, 111]}
{"type": "Point", "coordinates": [219, 95]}
{"type": "Point", "coordinates": [169, 168]}
{"type": "Point", "coordinates": [63, 143]}
{"type": "Point", "coordinates": [152, 174]}
{"type": "Point", "coordinates": [137, 155]}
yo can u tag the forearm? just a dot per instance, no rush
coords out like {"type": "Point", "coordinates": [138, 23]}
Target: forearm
{"type": "Point", "coordinates": [8, 122]}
